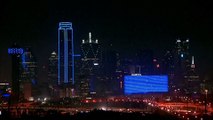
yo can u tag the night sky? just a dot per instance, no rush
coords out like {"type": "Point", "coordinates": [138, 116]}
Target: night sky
{"type": "Point", "coordinates": [124, 24]}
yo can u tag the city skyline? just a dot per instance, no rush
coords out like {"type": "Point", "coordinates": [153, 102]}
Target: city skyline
{"type": "Point", "coordinates": [147, 26]}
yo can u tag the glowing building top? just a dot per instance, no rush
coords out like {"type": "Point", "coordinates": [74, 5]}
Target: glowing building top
{"type": "Point", "coordinates": [65, 25]}
{"type": "Point", "coordinates": [90, 40]}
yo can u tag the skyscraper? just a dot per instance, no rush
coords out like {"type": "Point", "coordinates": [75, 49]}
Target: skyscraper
{"type": "Point", "coordinates": [15, 52]}
{"type": "Point", "coordinates": [181, 63]}
{"type": "Point", "coordinates": [53, 74]}
{"type": "Point", "coordinates": [91, 62]}
{"type": "Point", "coordinates": [91, 52]}
{"type": "Point", "coordinates": [65, 53]}
{"type": "Point", "coordinates": [192, 80]}
{"type": "Point", "coordinates": [28, 75]}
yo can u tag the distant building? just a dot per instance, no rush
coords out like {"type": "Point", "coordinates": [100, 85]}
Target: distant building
{"type": "Point", "coordinates": [181, 61]}
{"type": "Point", "coordinates": [53, 74]}
{"type": "Point", "coordinates": [144, 58]}
{"type": "Point", "coordinates": [28, 74]}
{"type": "Point", "coordinates": [168, 67]}
{"type": "Point", "coordinates": [15, 51]}
{"type": "Point", "coordinates": [192, 80]}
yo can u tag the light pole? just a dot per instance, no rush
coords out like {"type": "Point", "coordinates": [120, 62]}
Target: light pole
{"type": "Point", "coordinates": [206, 93]}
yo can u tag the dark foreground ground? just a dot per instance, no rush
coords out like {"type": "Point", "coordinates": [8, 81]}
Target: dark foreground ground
{"type": "Point", "coordinates": [93, 115]}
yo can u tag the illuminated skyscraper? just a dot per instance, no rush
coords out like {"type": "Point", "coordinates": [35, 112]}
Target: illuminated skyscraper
{"type": "Point", "coordinates": [91, 55]}
{"type": "Point", "coordinates": [28, 79]}
{"type": "Point", "coordinates": [181, 62]}
{"type": "Point", "coordinates": [15, 52]}
{"type": "Point", "coordinates": [53, 74]}
{"type": "Point", "coordinates": [192, 80]}
{"type": "Point", "coordinates": [65, 53]}
{"type": "Point", "coordinates": [91, 51]}
{"type": "Point", "coordinates": [29, 67]}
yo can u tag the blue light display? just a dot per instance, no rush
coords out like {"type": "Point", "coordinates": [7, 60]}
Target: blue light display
{"type": "Point", "coordinates": [6, 95]}
{"type": "Point", "coordinates": [15, 50]}
{"type": "Point", "coordinates": [145, 84]}
{"type": "Point", "coordinates": [64, 48]}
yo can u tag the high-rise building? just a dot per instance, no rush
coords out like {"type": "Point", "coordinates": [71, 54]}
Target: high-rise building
{"type": "Point", "coordinates": [15, 51]}
{"type": "Point", "coordinates": [91, 52]}
{"type": "Point", "coordinates": [66, 59]}
{"type": "Point", "coordinates": [192, 80]}
{"type": "Point", "coordinates": [144, 58]}
{"type": "Point", "coordinates": [28, 74]}
{"type": "Point", "coordinates": [181, 61]}
{"type": "Point", "coordinates": [53, 74]}
{"type": "Point", "coordinates": [91, 62]}
{"type": "Point", "coordinates": [168, 67]}
{"type": "Point", "coordinates": [65, 53]}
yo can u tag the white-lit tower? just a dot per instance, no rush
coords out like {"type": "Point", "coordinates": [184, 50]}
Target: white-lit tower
{"type": "Point", "coordinates": [91, 62]}
{"type": "Point", "coordinates": [91, 51]}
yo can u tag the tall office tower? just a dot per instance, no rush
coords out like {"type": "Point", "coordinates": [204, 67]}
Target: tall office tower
{"type": "Point", "coordinates": [53, 74]}
{"type": "Point", "coordinates": [112, 71]}
{"type": "Point", "coordinates": [65, 53]}
{"type": "Point", "coordinates": [91, 61]}
{"type": "Point", "coordinates": [168, 67]}
{"type": "Point", "coordinates": [181, 61]}
{"type": "Point", "coordinates": [192, 80]}
{"type": "Point", "coordinates": [91, 52]}
{"type": "Point", "coordinates": [145, 60]}
{"type": "Point", "coordinates": [28, 78]}
{"type": "Point", "coordinates": [15, 51]}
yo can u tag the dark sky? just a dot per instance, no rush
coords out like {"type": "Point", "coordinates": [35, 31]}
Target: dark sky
{"type": "Point", "coordinates": [125, 24]}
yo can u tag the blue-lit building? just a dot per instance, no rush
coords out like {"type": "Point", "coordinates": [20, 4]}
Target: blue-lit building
{"type": "Point", "coordinates": [65, 53]}
{"type": "Point", "coordinates": [65, 59]}
{"type": "Point", "coordinates": [15, 51]}
{"type": "Point", "coordinates": [28, 74]}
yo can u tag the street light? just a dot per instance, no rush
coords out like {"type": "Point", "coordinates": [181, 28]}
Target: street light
{"type": "Point", "coordinates": [206, 92]}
